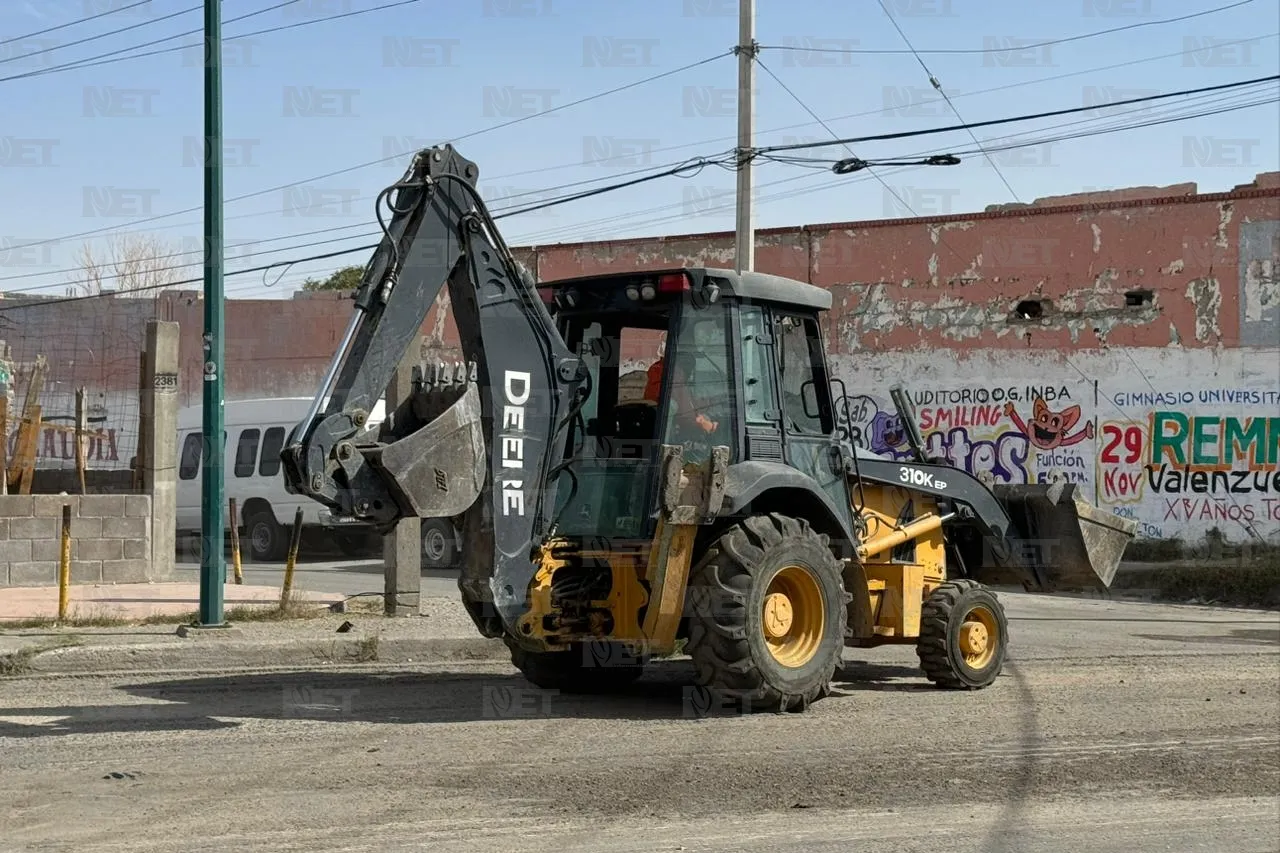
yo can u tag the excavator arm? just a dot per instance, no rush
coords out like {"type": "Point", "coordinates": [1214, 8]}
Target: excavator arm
{"type": "Point", "coordinates": [486, 448]}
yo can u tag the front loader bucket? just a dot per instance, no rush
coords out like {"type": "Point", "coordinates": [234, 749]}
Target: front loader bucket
{"type": "Point", "coordinates": [1075, 545]}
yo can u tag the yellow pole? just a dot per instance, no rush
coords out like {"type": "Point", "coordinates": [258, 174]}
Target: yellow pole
{"type": "Point", "coordinates": [295, 538]}
{"type": "Point", "coordinates": [64, 565]}
{"type": "Point", "coordinates": [235, 542]}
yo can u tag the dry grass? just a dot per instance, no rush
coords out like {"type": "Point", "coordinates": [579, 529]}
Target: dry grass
{"type": "Point", "coordinates": [241, 613]}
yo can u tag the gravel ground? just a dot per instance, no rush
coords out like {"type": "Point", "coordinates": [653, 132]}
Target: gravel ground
{"type": "Point", "coordinates": [1121, 727]}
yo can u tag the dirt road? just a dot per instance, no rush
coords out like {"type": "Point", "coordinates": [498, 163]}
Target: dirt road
{"type": "Point", "coordinates": [1120, 727]}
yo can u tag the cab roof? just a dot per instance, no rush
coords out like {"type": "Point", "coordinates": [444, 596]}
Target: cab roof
{"type": "Point", "coordinates": [760, 286]}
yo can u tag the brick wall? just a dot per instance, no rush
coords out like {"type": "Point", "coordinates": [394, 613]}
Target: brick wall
{"type": "Point", "coordinates": [110, 539]}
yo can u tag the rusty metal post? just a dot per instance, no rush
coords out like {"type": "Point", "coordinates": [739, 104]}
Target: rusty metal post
{"type": "Point", "coordinates": [64, 565]}
{"type": "Point", "coordinates": [235, 541]}
{"type": "Point", "coordinates": [295, 539]}
{"type": "Point", "coordinates": [82, 423]}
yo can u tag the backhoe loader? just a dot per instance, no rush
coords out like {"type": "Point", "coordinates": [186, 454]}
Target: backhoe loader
{"type": "Point", "coordinates": [724, 509]}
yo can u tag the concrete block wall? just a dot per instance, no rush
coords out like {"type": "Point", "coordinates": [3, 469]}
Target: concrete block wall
{"type": "Point", "coordinates": [110, 539]}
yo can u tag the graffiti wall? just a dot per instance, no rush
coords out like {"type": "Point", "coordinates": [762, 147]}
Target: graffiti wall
{"type": "Point", "coordinates": [1180, 441]}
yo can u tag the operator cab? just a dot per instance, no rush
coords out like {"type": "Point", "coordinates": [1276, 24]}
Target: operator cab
{"type": "Point", "coordinates": [692, 357]}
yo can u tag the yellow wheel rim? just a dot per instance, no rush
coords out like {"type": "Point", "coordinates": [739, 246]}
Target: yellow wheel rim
{"type": "Point", "coordinates": [979, 637]}
{"type": "Point", "coordinates": [793, 616]}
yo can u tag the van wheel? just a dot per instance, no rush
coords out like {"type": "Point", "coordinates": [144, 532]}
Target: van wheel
{"type": "Point", "coordinates": [267, 539]}
{"type": "Point", "coordinates": [439, 544]}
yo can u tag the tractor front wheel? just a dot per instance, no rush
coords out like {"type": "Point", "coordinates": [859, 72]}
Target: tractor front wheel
{"type": "Point", "coordinates": [963, 636]}
{"type": "Point", "coordinates": [767, 615]}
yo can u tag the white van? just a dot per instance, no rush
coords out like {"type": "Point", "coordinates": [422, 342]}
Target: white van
{"type": "Point", "coordinates": [257, 430]}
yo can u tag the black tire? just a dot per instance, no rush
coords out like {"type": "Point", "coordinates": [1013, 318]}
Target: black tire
{"type": "Point", "coordinates": [439, 544]}
{"type": "Point", "coordinates": [583, 668]}
{"type": "Point", "coordinates": [267, 539]}
{"type": "Point", "coordinates": [727, 593]}
{"type": "Point", "coordinates": [941, 647]}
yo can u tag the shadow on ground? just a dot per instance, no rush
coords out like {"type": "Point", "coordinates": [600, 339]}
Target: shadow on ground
{"type": "Point", "coordinates": [666, 692]}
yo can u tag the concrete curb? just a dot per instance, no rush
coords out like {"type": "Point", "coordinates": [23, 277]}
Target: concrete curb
{"type": "Point", "coordinates": [228, 653]}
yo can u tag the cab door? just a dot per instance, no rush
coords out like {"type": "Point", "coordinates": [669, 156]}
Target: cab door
{"type": "Point", "coordinates": [808, 420]}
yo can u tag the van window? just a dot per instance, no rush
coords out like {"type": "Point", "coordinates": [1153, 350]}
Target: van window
{"type": "Point", "coordinates": [247, 453]}
{"type": "Point", "coordinates": [189, 465]}
{"type": "Point", "coordinates": [272, 444]}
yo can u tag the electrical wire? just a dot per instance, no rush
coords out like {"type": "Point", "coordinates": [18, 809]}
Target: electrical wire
{"type": "Point", "coordinates": [578, 164]}
{"type": "Point", "coordinates": [933, 81]}
{"type": "Point", "coordinates": [678, 167]}
{"type": "Point", "coordinates": [907, 134]}
{"type": "Point", "coordinates": [470, 135]}
{"type": "Point", "coordinates": [115, 55]}
{"type": "Point", "coordinates": [83, 20]}
{"type": "Point", "coordinates": [1032, 46]}
{"type": "Point", "coordinates": [87, 39]}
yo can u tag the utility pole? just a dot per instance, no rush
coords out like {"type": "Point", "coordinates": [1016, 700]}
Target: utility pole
{"type": "Point", "coordinates": [213, 566]}
{"type": "Point", "coordinates": [744, 256]}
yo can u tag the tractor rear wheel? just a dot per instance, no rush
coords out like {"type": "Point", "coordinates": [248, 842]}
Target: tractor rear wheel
{"type": "Point", "coordinates": [583, 668]}
{"type": "Point", "coordinates": [964, 636]}
{"type": "Point", "coordinates": [767, 615]}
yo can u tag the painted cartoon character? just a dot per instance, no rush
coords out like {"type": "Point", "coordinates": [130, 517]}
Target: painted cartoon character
{"type": "Point", "coordinates": [887, 434]}
{"type": "Point", "coordinates": [1048, 430]}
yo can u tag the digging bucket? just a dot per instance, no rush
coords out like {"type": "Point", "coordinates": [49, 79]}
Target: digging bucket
{"type": "Point", "coordinates": [1078, 545]}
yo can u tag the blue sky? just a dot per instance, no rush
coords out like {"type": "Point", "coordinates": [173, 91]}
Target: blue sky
{"type": "Point", "coordinates": [105, 146]}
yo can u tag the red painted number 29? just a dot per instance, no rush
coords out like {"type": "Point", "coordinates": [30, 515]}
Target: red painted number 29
{"type": "Point", "coordinates": [1130, 436]}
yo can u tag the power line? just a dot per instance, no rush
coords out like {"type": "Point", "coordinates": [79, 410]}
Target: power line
{"type": "Point", "coordinates": [497, 215]}
{"type": "Point", "coordinates": [853, 156]}
{"type": "Point", "coordinates": [1013, 119]}
{"type": "Point", "coordinates": [1001, 88]}
{"type": "Point", "coordinates": [107, 34]}
{"type": "Point", "coordinates": [933, 81]}
{"type": "Point", "coordinates": [83, 20]}
{"type": "Point", "coordinates": [1033, 46]}
{"type": "Point", "coordinates": [678, 167]}
{"type": "Point", "coordinates": [107, 58]}
{"type": "Point", "coordinates": [365, 165]}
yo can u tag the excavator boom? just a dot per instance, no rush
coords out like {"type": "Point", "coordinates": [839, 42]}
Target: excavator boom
{"type": "Point", "coordinates": [483, 448]}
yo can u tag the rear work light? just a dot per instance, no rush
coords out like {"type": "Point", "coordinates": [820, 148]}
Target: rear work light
{"type": "Point", "coordinates": [676, 282]}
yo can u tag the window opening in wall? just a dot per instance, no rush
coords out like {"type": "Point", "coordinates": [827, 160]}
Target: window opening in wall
{"type": "Point", "coordinates": [1138, 298]}
{"type": "Point", "coordinates": [1029, 309]}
